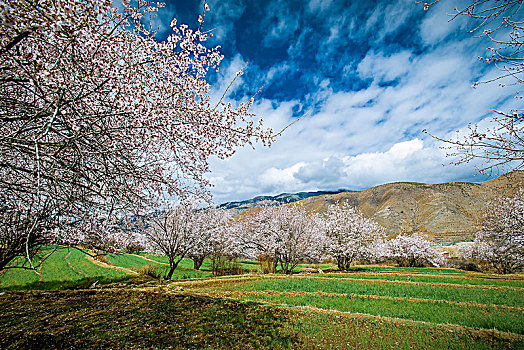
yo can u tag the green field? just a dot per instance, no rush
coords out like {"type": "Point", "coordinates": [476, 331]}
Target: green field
{"type": "Point", "coordinates": [70, 268]}
{"type": "Point", "coordinates": [468, 310]}
{"type": "Point", "coordinates": [371, 307]}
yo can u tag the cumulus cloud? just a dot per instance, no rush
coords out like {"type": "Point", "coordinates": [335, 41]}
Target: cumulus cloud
{"type": "Point", "coordinates": [367, 91]}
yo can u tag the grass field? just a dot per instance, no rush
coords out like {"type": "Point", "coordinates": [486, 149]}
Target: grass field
{"type": "Point", "coordinates": [69, 268]}
{"type": "Point", "coordinates": [392, 308]}
{"type": "Point", "coordinates": [371, 307]}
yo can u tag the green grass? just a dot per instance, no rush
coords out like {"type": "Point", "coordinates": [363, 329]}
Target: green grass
{"type": "Point", "coordinates": [55, 272]}
{"type": "Point", "coordinates": [441, 313]}
{"type": "Point", "coordinates": [437, 278]}
{"type": "Point", "coordinates": [68, 268]}
{"type": "Point", "coordinates": [247, 264]}
{"type": "Point", "coordinates": [509, 297]}
{"type": "Point", "coordinates": [150, 319]}
{"type": "Point", "coordinates": [363, 311]}
{"type": "Point", "coordinates": [183, 271]}
{"type": "Point", "coordinates": [372, 268]}
{"type": "Point", "coordinates": [487, 308]}
{"type": "Point", "coordinates": [348, 331]}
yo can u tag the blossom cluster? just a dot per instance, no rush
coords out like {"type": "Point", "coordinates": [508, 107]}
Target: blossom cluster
{"type": "Point", "coordinates": [98, 118]}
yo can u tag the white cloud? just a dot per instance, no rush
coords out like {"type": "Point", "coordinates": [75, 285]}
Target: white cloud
{"type": "Point", "coordinates": [385, 68]}
{"type": "Point", "coordinates": [228, 80]}
{"type": "Point", "coordinates": [438, 24]}
{"type": "Point", "coordinates": [318, 5]}
{"type": "Point", "coordinates": [358, 139]}
{"type": "Point", "coordinates": [221, 18]}
{"type": "Point", "coordinates": [280, 178]}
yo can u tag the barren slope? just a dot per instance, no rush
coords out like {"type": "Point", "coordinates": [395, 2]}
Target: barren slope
{"type": "Point", "coordinates": [446, 212]}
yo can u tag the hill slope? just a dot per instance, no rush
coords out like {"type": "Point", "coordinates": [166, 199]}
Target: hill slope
{"type": "Point", "coordinates": [447, 212]}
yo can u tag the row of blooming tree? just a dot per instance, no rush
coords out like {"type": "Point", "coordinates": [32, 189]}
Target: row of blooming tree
{"type": "Point", "coordinates": [99, 119]}
{"type": "Point", "coordinates": [284, 236]}
{"type": "Point", "coordinates": [288, 235]}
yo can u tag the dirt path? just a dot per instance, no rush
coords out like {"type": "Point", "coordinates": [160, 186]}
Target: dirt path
{"type": "Point", "coordinates": [108, 266]}
{"type": "Point", "coordinates": [143, 257]}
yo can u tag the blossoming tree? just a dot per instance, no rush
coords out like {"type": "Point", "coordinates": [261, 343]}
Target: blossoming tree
{"type": "Point", "coordinates": [97, 116]}
{"type": "Point", "coordinates": [172, 233]}
{"type": "Point", "coordinates": [286, 234]}
{"type": "Point", "coordinates": [500, 240]}
{"type": "Point", "coordinates": [350, 236]}
{"type": "Point", "coordinates": [412, 250]}
{"type": "Point", "coordinates": [214, 235]}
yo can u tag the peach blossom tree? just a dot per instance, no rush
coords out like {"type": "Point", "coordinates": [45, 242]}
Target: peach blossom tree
{"type": "Point", "coordinates": [500, 240]}
{"type": "Point", "coordinates": [98, 118]}
{"type": "Point", "coordinates": [350, 236]}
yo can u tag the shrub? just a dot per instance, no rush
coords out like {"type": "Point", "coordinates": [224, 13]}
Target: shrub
{"type": "Point", "coordinates": [267, 263]}
{"type": "Point", "coordinates": [150, 270]}
{"type": "Point", "coordinates": [222, 265]}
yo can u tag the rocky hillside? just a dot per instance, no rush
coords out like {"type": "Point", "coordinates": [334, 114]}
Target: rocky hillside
{"type": "Point", "coordinates": [446, 212]}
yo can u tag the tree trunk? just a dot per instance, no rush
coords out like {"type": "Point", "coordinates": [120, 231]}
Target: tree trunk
{"type": "Point", "coordinates": [197, 262]}
{"type": "Point", "coordinates": [343, 263]}
{"type": "Point", "coordinates": [285, 268]}
{"type": "Point", "coordinates": [172, 267]}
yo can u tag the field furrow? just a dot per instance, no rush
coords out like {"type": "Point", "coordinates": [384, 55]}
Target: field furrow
{"type": "Point", "coordinates": [239, 294]}
{"type": "Point", "coordinates": [477, 316]}
{"type": "Point", "coordinates": [467, 280]}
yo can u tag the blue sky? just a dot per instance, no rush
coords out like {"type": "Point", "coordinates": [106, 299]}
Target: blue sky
{"type": "Point", "coordinates": [371, 75]}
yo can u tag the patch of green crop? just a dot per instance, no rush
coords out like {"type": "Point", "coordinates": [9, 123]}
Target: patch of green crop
{"type": "Point", "coordinates": [346, 331]}
{"type": "Point", "coordinates": [442, 313]}
{"type": "Point", "coordinates": [374, 268]}
{"type": "Point", "coordinates": [137, 262]}
{"type": "Point", "coordinates": [127, 318]}
{"type": "Point", "coordinates": [507, 297]}
{"type": "Point", "coordinates": [437, 278]}
{"type": "Point", "coordinates": [127, 261]}
{"type": "Point", "coordinates": [63, 268]}
{"type": "Point", "coordinates": [79, 261]}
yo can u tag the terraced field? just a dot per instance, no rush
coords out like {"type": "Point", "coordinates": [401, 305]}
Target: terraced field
{"type": "Point", "coordinates": [441, 309]}
{"type": "Point", "coordinates": [66, 267]}
{"type": "Point", "coordinates": [371, 307]}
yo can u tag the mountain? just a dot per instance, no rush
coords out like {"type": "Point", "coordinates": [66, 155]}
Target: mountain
{"type": "Point", "coordinates": [447, 212]}
{"type": "Point", "coordinates": [272, 201]}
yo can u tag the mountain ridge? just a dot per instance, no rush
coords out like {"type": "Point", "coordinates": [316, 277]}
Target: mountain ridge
{"type": "Point", "coordinates": [282, 198]}
{"type": "Point", "coordinates": [445, 212]}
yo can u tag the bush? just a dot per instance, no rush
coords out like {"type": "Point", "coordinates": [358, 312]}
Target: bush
{"type": "Point", "coordinates": [222, 266]}
{"type": "Point", "coordinates": [462, 264]}
{"type": "Point", "coordinates": [134, 248]}
{"type": "Point", "coordinates": [267, 264]}
{"type": "Point", "coordinates": [149, 270]}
